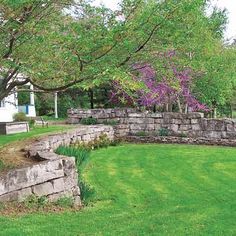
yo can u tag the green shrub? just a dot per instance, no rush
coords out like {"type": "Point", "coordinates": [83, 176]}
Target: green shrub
{"type": "Point", "coordinates": [31, 123]}
{"type": "Point", "coordinates": [183, 135]}
{"type": "Point", "coordinates": [65, 202]}
{"type": "Point", "coordinates": [141, 133]}
{"type": "Point", "coordinates": [100, 142]}
{"type": "Point", "coordinates": [163, 132]}
{"type": "Point", "coordinates": [20, 116]}
{"type": "Point", "coordinates": [80, 154]}
{"type": "Point", "coordinates": [34, 201]}
{"type": "Point", "coordinates": [88, 121]}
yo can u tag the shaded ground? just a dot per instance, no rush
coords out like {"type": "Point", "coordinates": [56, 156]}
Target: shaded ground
{"type": "Point", "coordinates": [12, 147]}
{"type": "Point", "coordinates": [13, 155]}
{"type": "Point", "coordinates": [147, 190]}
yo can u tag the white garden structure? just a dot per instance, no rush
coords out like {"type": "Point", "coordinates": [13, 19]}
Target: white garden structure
{"type": "Point", "coordinates": [9, 106]}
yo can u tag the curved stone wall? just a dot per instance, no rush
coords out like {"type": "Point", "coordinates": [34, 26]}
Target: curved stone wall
{"type": "Point", "coordinates": [53, 176]}
{"type": "Point", "coordinates": [131, 122]}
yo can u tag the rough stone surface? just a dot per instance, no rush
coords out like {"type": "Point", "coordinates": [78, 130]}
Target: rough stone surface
{"type": "Point", "coordinates": [54, 176]}
{"type": "Point", "coordinates": [13, 127]}
{"type": "Point", "coordinates": [132, 121]}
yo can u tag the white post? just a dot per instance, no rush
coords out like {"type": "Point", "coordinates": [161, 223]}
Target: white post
{"type": "Point", "coordinates": [32, 102]}
{"type": "Point", "coordinates": [55, 105]}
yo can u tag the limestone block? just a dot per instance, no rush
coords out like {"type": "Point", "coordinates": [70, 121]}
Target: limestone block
{"type": "Point", "coordinates": [137, 127]}
{"type": "Point", "coordinates": [174, 128]}
{"type": "Point", "coordinates": [136, 115]}
{"type": "Point", "coordinates": [196, 127]}
{"type": "Point", "coordinates": [43, 189]}
{"type": "Point", "coordinates": [212, 134]}
{"type": "Point", "coordinates": [194, 115]}
{"type": "Point", "coordinates": [19, 195]}
{"type": "Point", "coordinates": [150, 127]}
{"type": "Point", "coordinates": [69, 165]}
{"type": "Point", "coordinates": [184, 127]}
{"type": "Point", "coordinates": [195, 121]}
{"type": "Point", "coordinates": [158, 121]}
{"type": "Point", "coordinates": [47, 156]}
{"type": "Point", "coordinates": [157, 127]}
{"type": "Point", "coordinates": [230, 127]}
{"type": "Point", "coordinates": [230, 135]}
{"type": "Point", "coordinates": [56, 196]}
{"type": "Point", "coordinates": [220, 125]}
{"type": "Point", "coordinates": [176, 121]}
{"type": "Point", "coordinates": [58, 185]}
{"type": "Point", "coordinates": [155, 115]}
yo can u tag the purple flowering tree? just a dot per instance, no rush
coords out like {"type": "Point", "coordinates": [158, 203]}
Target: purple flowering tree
{"type": "Point", "coordinates": [160, 90]}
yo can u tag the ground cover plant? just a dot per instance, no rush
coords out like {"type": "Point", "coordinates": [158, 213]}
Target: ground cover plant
{"type": "Point", "coordinates": [147, 190]}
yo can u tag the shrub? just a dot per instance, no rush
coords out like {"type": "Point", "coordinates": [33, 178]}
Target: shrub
{"type": "Point", "coordinates": [183, 135]}
{"type": "Point", "coordinates": [80, 154]}
{"type": "Point", "coordinates": [31, 123]}
{"type": "Point", "coordinates": [163, 132]}
{"type": "Point", "coordinates": [100, 142]}
{"type": "Point", "coordinates": [34, 201]}
{"type": "Point", "coordinates": [65, 202]}
{"type": "Point", "coordinates": [141, 133]}
{"type": "Point", "coordinates": [20, 117]}
{"type": "Point", "coordinates": [88, 121]}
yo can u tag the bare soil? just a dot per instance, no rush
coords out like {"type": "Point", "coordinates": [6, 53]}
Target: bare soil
{"type": "Point", "coordinates": [14, 155]}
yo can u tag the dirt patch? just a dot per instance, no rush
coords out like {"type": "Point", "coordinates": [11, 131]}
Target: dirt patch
{"type": "Point", "coordinates": [14, 155]}
{"type": "Point", "coordinates": [14, 209]}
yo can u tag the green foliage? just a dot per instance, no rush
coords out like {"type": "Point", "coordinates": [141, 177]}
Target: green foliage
{"type": "Point", "coordinates": [163, 132]}
{"type": "Point", "coordinates": [80, 154]}
{"type": "Point", "coordinates": [20, 116]}
{"type": "Point", "coordinates": [65, 202]}
{"type": "Point", "coordinates": [183, 135]}
{"type": "Point", "coordinates": [147, 190]}
{"type": "Point", "coordinates": [99, 142]}
{"type": "Point", "coordinates": [88, 121]}
{"type": "Point", "coordinates": [34, 201]}
{"type": "Point", "coordinates": [141, 133]}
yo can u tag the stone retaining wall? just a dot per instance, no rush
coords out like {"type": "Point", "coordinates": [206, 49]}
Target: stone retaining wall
{"type": "Point", "coordinates": [54, 176]}
{"type": "Point", "coordinates": [132, 122]}
{"type": "Point", "coordinates": [13, 127]}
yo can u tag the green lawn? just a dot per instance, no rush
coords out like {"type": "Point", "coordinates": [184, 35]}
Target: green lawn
{"type": "Point", "coordinates": [148, 190]}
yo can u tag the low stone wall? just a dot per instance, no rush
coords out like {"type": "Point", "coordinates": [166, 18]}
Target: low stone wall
{"type": "Point", "coordinates": [132, 122]}
{"type": "Point", "coordinates": [13, 127]}
{"type": "Point", "coordinates": [54, 176]}
{"type": "Point", "coordinates": [180, 140]}
{"type": "Point", "coordinates": [102, 115]}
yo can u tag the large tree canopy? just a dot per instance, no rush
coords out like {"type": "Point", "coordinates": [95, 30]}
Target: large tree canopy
{"type": "Point", "coordinates": [58, 44]}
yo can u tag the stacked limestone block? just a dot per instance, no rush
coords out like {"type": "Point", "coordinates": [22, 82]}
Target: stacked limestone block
{"type": "Point", "coordinates": [54, 176]}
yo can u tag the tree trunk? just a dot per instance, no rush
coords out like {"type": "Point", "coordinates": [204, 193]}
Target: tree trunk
{"type": "Point", "coordinates": [55, 104]}
{"type": "Point", "coordinates": [179, 106]}
{"type": "Point", "coordinates": [91, 94]}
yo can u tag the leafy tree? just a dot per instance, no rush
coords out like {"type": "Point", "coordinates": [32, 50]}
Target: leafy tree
{"type": "Point", "coordinates": [54, 48]}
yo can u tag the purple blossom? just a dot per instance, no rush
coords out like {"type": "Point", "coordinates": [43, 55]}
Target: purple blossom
{"type": "Point", "coordinates": [159, 90]}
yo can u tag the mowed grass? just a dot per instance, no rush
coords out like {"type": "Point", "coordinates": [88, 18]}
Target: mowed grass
{"type": "Point", "coordinates": [147, 190]}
